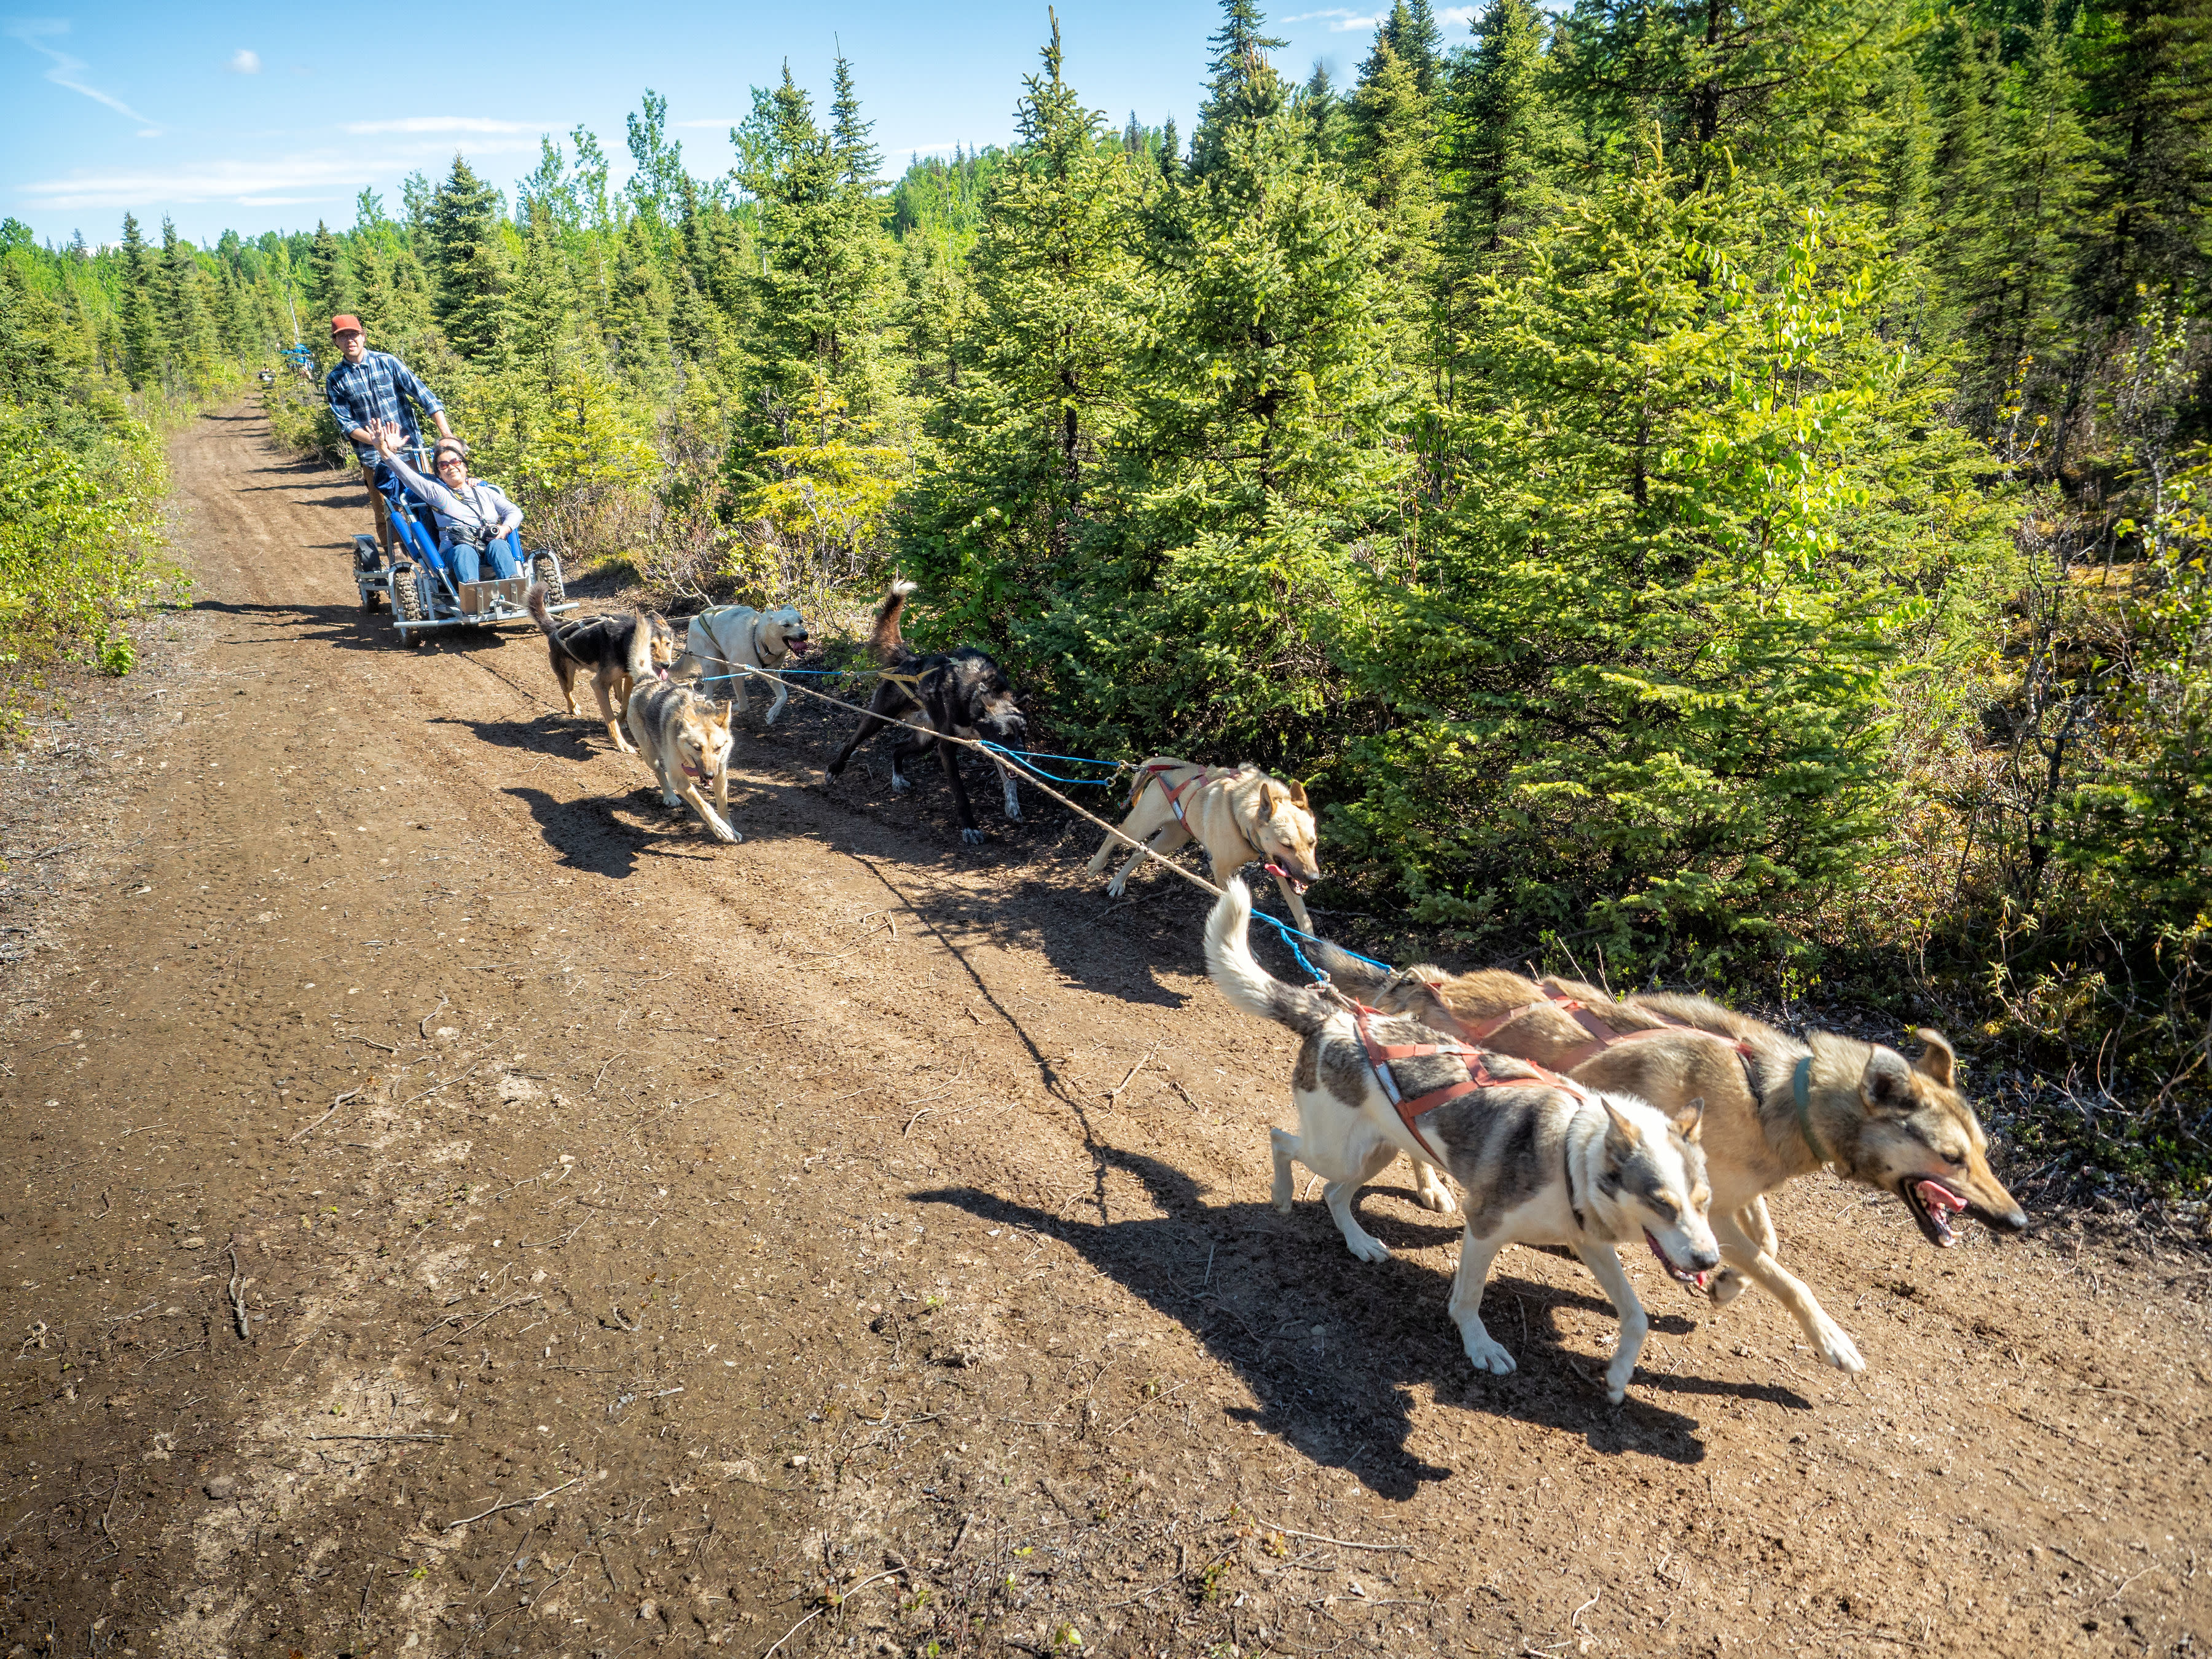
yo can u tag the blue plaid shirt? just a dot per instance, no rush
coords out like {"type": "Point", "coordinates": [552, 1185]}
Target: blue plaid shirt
{"type": "Point", "coordinates": [378, 388]}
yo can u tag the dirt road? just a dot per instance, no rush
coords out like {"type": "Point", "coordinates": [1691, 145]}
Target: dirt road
{"type": "Point", "coordinates": [463, 1211]}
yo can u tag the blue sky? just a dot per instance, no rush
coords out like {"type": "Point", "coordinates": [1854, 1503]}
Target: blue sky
{"type": "Point", "coordinates": [258, 119]}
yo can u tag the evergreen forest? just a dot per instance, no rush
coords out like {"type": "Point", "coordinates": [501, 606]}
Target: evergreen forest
{"type": "Point", "coordinates": [1704, 491]}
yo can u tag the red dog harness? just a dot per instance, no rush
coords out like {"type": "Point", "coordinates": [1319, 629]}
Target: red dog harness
{"type": "Point", "coordinates": [1478, 1076]}
{"type": "Point", "coordinates": [1150, 773]}
{"type": "Point", "coordinates": [1603, 1035]}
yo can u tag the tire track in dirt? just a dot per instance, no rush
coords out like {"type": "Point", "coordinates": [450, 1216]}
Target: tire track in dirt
{"type": "Point", "coordinates": [790, 1216]}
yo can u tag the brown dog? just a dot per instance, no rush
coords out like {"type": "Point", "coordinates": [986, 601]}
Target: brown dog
{"type": "Point", "coordinates": [1775, 1108]}
{"type": "Point", "coordinates": [1238, 814]}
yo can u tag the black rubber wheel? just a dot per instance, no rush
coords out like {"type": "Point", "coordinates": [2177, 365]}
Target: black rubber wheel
{"type": "Point", "coordinates": [406, 598]}
{"type": "Point", "coordinates": [547, 574]}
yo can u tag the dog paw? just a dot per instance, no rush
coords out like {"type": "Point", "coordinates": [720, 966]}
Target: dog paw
{"type": "Point", "coordinates": [1839, 1350]}
{"type": "Point", "coordinates": [1013, 812]}
{"type": "Point", "coordinates": [1114, 888]}
{"type": "Point", "coordinates": [1368, 1248]}
{"type": "Point", "coordinates": [972, 837]}
{"type": "Point", "coordinates": [1728, 1285]}
{"type": "Point", "coordinates": [1615, 1393]}
{"type": "Point", "coordinates": [1487, 1355]}
{"type": "Point", "coordinates": [1432, 1194]}
{"type": "Point", "coordinates": [900, 783]}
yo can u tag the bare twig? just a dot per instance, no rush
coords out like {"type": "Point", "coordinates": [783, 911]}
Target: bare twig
{"type": "Point", "coordinates": [423, 1026]}
{"type": "Point", "coordinates": [238, 1294]}
{"type": "Point", "coordinates": [520, 1503]}
{"type": "Point", "coordinates": [1342, 1543]}
{"type": "Point", "coordinates": [326, 1116]}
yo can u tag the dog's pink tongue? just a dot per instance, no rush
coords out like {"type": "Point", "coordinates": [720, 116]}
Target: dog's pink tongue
{"type": "Point", "coordinates": [1938, 1197]}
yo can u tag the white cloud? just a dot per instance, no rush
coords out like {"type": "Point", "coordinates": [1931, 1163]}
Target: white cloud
{"type": "Point", "coordinates": [1340, 21]}
{"type": "Point", "coordinates": [314, 176]}
{"type": "Point", "coordinates": [243, 62]}
{"type": "Point", "coordinates": [447, 123]}
{"type": "Point", "coordinates": [35, 31]}
{"type": "Point", "coordinates": [1458, 17]}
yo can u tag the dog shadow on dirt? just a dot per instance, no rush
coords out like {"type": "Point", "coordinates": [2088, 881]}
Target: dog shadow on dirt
{"type": "Point", "coordinates": [590, 836]}
{"type": "Point", "coordinates": [1334, 1350]}
{"type": "Point", "coordinates": [556, 736]}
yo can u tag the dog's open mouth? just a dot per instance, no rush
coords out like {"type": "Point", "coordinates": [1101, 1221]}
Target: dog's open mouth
{"type": "Point", "coordinates": [1680, 1275]}
{"type": "Point", "coordinates": [1933, 1204]}
{"type": "Point", "coordinates": [1281, 874]}
{"type": "Point", "coordinates": [797, 644]}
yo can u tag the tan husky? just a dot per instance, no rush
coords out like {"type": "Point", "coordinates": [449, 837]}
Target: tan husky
{"type": "Point", "coordinates": [1775, 1108]}
{"type": "Point", "coordinates": [687, 740]}
{"type": "Point", "coordinates": [1239, 815]}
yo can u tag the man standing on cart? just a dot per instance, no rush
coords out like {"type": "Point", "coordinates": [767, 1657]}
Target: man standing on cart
{"type": "Point", "coordinates": [366, 387]}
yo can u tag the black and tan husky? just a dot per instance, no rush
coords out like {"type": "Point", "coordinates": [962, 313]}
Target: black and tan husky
{"type": "Point", "coordinates": [961, 691]}
{"type": "Point", "coordinates": [600, 646]}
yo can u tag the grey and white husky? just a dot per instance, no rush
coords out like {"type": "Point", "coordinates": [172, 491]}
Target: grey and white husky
{"type": "Point", "coordinates": [1538, 1160]}
{"type": "Point", "coordinates": [686, 739]}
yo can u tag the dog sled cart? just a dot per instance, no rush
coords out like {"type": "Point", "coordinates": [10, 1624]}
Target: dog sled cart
{"type": "Point", "coordinates": [423, 596]}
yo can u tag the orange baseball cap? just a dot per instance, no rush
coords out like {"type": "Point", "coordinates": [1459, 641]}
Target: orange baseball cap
{"type": "Point", "coordinates": [340, 325]}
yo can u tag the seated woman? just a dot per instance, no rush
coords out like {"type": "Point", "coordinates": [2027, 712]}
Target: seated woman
{"type": "Point", "coordinates": [474, 517]}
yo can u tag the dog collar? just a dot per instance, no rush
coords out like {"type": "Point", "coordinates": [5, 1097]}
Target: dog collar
{"type": "Point", "coordinates": [1801, 1090]}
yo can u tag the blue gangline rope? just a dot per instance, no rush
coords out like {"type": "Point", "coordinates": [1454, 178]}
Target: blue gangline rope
{"type": "Point", "coordinates": [1024, 756]}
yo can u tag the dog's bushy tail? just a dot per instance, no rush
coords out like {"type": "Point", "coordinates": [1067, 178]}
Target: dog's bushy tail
{"type": "Point", "coordinates": [885, 639]}
{"type": "Point", "coordinates": [535, 600]}
{"type": "Point", "coordinates": [1248, 986]}
{"type": "Point", "coordinates": [640, 650]}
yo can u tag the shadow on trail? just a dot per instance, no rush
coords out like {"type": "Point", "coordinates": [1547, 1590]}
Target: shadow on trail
{"type": "Point", "coordinates": [589, 836]}
{"type": "Point", "coordinates": [556, 737]}
{"type": "Point", "coordinates": [1333, 1351]}
{"type": "Point", "coordinates": [345, 626]}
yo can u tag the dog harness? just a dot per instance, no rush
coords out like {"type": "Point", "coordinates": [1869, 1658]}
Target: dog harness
{"type": "Point", "coordinates": [1603, 1035]}
{"type": "Point", "coordinates": [1479, 1076]}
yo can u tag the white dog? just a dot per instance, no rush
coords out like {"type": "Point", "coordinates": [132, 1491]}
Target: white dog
{"type": "Point", "coordinates": [722, 643]}
{"type": "Point", "coordinates": [1540, 1160]}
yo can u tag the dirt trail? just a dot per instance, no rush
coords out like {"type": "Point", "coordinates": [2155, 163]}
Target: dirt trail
{"type": "Point", "coordinates": [640, 1243]}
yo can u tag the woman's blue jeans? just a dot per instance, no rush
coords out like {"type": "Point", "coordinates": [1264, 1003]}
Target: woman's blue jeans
{"type": "Point", "coordinates": [506, 557]}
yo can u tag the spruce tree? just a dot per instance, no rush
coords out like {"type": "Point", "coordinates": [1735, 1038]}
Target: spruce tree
{"type": "Point", "coordinates": [144, 344]}
{"type": "Point", "coordinates": [1392, 163]}
{"type": "Point", "coordinates": [327, 285]}
{"type": "Point", "coordinates": [1259, 452]}
{"type": "Point", "coordinates": [1505, 142]}
{"type": "Point", "coordinates": [1045, 356]}
{"type": "Point", "coordinates": [850, 135]}
{"type": "Point", "coordinates": [1324, 113]}
{"type": "Point", "coordinates": [461, 224]}
{"type": "Point", "coordinates": [2147, 104]}
{"type": "Point", "coordinates": [1411, 29]}
{"type": "Point", "coordinates": [190, 329]}
{"type": "Point", "coordinates": [1243, 86]}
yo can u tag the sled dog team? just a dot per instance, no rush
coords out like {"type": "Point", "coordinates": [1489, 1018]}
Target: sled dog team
{"type": "Point", "coordinates": [1566, 1115]}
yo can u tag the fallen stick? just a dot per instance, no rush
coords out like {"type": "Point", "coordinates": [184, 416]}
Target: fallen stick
{"type": "Point", "coordinates": [326, 1116]}
{"type": "Point", "coordinates": [520, 1503]}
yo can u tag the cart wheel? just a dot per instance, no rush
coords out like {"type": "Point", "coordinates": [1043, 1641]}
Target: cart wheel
{"type": "Point", "coordinates": [547, 571]}
{"type": "Point", "coordinates": [368, 598]}
{"type": "Point", "coordinates": [406, 598]}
